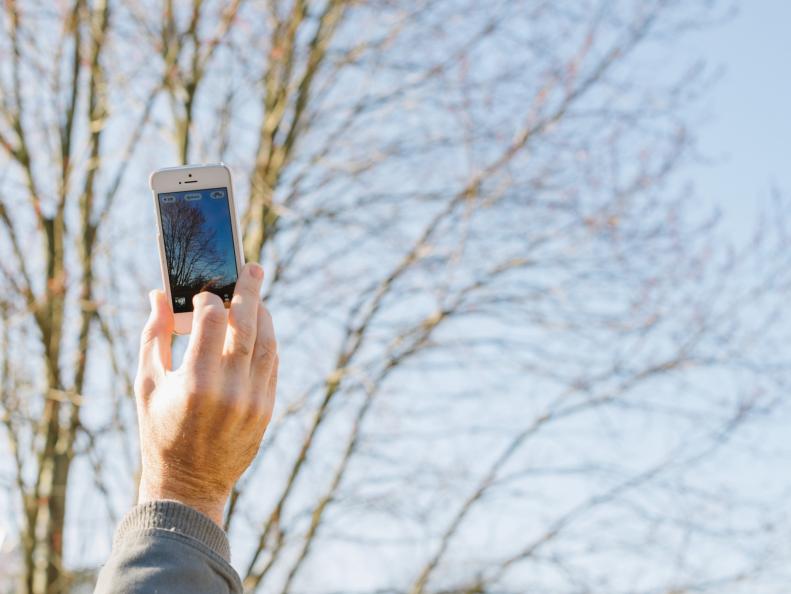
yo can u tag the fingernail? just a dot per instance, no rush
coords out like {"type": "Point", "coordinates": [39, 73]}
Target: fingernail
{"type": "Point", "coordinates": [256, 271]}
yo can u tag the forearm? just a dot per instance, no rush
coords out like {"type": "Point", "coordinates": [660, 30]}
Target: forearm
{"type": "Point", "coordinates": [200, 427]}
{"type": "Point", "coordinates": [164, 546]}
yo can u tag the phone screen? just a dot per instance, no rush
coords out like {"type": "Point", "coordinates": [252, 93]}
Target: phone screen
{"type": "Point", "coordinates": [199, 247]}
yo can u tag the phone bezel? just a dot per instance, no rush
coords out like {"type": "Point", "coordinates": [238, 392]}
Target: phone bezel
{"type": "Point", "coordinates": [180, 179]}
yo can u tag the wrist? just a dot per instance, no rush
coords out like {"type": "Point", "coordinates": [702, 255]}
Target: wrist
{"type": "Point", "coordinates": [209, 504]}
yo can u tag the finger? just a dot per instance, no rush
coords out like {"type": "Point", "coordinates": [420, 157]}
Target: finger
{"type": "Point", "coordinates": [272, 386]}
{"type": "Point", "coordinates": [264, 352]}
{"type": "Point", "coordinates": [242, 317]}
{"type": "Point", "coordinates": [155, 340]}
{"type": "Point", "coordinates": [265, 395]}
{"type": "Point", "coordinates": [209, 324]}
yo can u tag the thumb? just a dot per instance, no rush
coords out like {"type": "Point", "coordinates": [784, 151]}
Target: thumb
{"type": "Point", "coordinates": [155, 355]}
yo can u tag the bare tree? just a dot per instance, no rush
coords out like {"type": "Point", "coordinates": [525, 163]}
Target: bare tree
{"type": "Point", "coordinates": [518, 354]}
{"type": "Point", "coordinates": [190, 246]}
{"type": "Point", "coordinates": [47, 184]}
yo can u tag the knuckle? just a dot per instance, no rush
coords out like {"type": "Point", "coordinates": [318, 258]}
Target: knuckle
{"type": "Point", "coordinates": [197, 386]}
{"type": "Point", "coordinates": [266, 321]}
{"type": "Point", "coordinates": [213, 315]}
{"type": "Point", "coordinates": [247, 289]}
{"type": "Point", "coordinates": [245, 333]}
{"type": "Point", "coordinates": [232, 402]}
{"type": "Point", "coordinates": [151, 330]}
{"type": "Point", "coordinates": [272, 384]}
{"type": "Point", "coordinates": [267, 346]}
{"type": "Point", "coordinates": [232, 390]}
{"type": "Point", "coordinates": [260, 411]}
{"type": "Point", "coordinates": [242, 348]}
{"type": "Point", "coordinates": [237, 389]}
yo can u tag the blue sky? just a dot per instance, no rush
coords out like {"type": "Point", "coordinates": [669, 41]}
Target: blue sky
{"type": "Point", "coordinates": [747, 130]}
{"type": "Point", "coordinates": [746, 133]}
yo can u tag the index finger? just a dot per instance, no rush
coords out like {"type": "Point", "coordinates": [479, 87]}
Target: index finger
{"type": "Point", "coordinates": [209, 324]}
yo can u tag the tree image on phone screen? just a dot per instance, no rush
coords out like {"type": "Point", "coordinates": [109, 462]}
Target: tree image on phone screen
{"type": "Point", "coordinates": [199, 248]}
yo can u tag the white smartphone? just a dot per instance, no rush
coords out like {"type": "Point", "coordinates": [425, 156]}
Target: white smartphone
{"type": "Point", "coordinates": [198, 235]}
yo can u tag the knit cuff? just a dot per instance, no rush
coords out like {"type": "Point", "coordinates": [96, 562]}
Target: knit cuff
{"type": "Point", "coordinates": [176, 517]}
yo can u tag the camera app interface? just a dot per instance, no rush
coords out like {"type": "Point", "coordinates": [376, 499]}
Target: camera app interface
{"type": "Point", "coordinates": [196, 229]}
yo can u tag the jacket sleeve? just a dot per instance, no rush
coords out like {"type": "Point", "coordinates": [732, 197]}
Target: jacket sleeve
{"type": "Point", "coordinates": [165, 546]}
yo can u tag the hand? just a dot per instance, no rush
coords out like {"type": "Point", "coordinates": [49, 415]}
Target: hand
{"type": "Point", "coordinates": [201, 424]}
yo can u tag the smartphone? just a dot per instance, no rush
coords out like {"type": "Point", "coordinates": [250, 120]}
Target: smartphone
{"type": "Point", "coordinates": [198, 235]}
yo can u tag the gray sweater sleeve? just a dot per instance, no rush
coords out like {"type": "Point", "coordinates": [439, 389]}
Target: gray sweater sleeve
{"type": "Point", "coordinates": [168, 547]}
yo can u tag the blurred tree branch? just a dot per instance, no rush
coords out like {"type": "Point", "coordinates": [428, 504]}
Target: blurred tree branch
{"type": "Point", "coordinates": [516, 347]}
